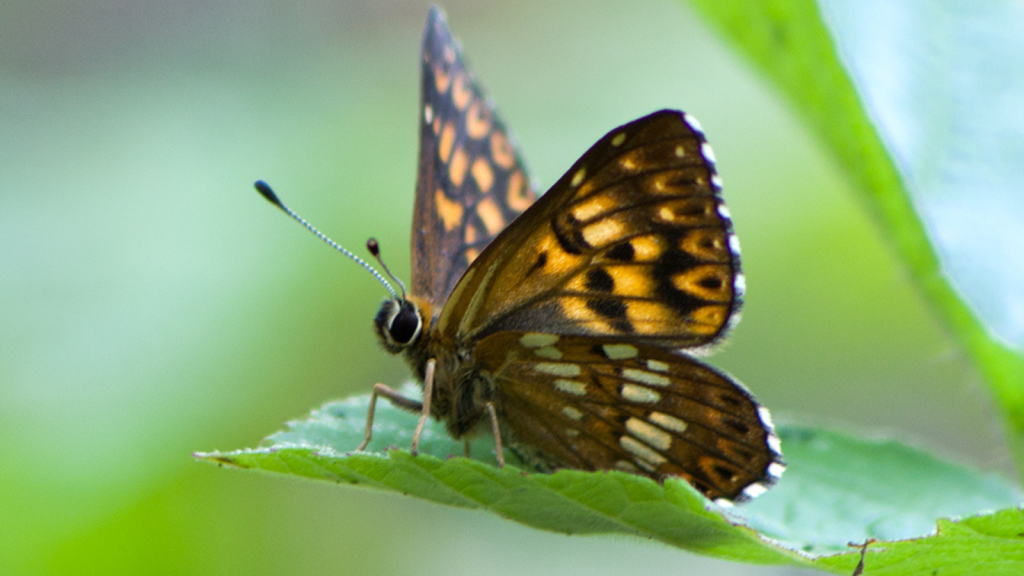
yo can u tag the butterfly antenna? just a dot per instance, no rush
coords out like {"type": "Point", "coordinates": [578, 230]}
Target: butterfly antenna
{"type": "Point", "coordinates": [264, 189]}
{"type": "Point", "coordinates": [374, 249]}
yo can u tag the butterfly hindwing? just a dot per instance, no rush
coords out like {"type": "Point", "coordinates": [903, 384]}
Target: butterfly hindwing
{"type": "Point", "coordinates": [471, 181]}
{"type": "Point", "coordinates": [634, 241]}
{"type": "Point", "coordinates": [597, 404]}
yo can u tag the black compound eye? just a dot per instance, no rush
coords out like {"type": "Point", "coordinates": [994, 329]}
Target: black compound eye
{"type": "Point", "coordinates": [404, 325]}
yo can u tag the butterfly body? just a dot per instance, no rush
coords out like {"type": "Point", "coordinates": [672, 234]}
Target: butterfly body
{"type": "Point", "coordinates": [570, 323]}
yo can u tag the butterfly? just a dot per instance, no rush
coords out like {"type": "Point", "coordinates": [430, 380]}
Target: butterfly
{"type": "Point", "coordinates": [568, 325]}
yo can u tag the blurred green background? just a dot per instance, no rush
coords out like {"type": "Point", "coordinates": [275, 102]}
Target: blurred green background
{"type": "Point", "coordinates": [154, 305]}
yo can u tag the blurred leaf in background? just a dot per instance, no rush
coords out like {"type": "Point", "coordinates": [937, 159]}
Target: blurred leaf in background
{"type": "Point", "coordinates": [154, 305]}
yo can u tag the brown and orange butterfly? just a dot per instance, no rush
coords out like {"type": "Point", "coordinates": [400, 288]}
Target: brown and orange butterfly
{"type": "Point", "coordinates": [566, 326]}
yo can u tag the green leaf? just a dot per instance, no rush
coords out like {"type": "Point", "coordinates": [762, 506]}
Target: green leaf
{"type": "Point", "coordinates": [935, 87]}
{"type": "Point", "coordinates": [838, 489]}
{"type": "Point", "coordinates": [992, 545]}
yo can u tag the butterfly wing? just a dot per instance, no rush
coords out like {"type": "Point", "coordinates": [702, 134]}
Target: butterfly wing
{"type": "Point", "coordinates": [598, 403]}
{"type": "Point", "coordinates": [471, 179]}
{"type": "Point", "coordinates": [633, 242]}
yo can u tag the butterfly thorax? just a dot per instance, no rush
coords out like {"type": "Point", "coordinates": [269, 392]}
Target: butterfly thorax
{"type": "Point", "coordinates": [460, 389]}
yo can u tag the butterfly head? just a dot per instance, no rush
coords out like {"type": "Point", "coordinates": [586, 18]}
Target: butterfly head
{"type": "Point", "coordinates": [398, 324]}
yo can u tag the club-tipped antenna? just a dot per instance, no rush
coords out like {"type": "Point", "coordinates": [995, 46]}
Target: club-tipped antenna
{"type": "Point", "coordinates": [374, 249]}
{"type": "Point", "coordinates": [264, 189]}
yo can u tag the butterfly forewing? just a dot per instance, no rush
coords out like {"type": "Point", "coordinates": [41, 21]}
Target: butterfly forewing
{"type": "Point", "coordinates": [634, 241]}
{"type": "Point", "coordinates": [595, 404]}
{"type": "Point", "coordinates": [471, 182]}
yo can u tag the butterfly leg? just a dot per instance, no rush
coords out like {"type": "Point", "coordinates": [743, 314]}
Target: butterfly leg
{"type": "Point", "coordinates": [396, 399]}
{"type": "Point", "coordinates": [499, 452]}
{"type": "Point", "coordinates": [428, 392]}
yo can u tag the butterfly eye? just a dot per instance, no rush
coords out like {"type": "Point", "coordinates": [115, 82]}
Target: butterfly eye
{"type": "Point", "coordinates": [405, 325]}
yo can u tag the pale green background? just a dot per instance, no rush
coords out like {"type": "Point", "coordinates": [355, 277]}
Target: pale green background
{"type": "Point", "coordinates": [152, 305]}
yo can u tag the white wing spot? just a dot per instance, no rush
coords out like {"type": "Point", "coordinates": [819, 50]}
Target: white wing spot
{"type": "Point", "coordinates": [708, 153]}
{"type": "Point", "coordinates": [776, 469]}
{"type": "Point", "coordinates": [572, 413]}
{"type": "Point", "coordinates": [578, 177]}
{"type": "Point", "coordinates": [694, 124]}
{"type": "Point", "coordinates": [723, 211]}
{"type": "Point", "coordinates": [765, 416]}
{"type": "Point", "coordinates": [626, 466]}
{"type": "Point", "coordinates": [549, 352]}
{"type": "Point", "coordinates": [619, 139]}
{"type": "Point", "coordinates": [657, 366]}
{"type": "Point", "coordinates": [571, 432]}
{"type": "Point", "coordinates": [734, 244]}
{"type": "Point", "coordinates": [558, 368]}
{"type": "Point", "coordinates": [668, 422]}
{"type": "Point", "coordinates": [645, 377]}
{"type": "Point", "coordinates": [620, 351]}
{"type": "Point", "coordinates": [639, 394]}
{"type": "Point", "coordinates": [571, 387]}
{"type": "Point", "coordinates": [774, 444]}
{"type": "Point", "coordinates": [428, 114]}
{"type": "Point", "coordinates": [754, 490]}
{"type": "Point", "coordinates": [716, 181]}
{"type": "Point", "coordinates": [537, 340]}
{"type": "Point", "coordinates": [739, 284]}
{"type": "Point", "coordinates": [651, 435]}
{"type": "Point", "coordinates": [647, 458]}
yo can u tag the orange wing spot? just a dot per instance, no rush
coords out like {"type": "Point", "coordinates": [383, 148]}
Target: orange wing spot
{"type": "Point", "coordinates": [483, 174]}
{"type": "Point", "coordinates": [647, 248]}
{"type": "Point", "coordinates": [489, 212]}
{"type": "Point", "coordinates": [449, 210]}
{"type": "Point", "coordinates": [471, 254]}
{"type": "Point", "coordinates": [593, 207]}
{"type": "Point", "coordinates": [457, 167]}
{"type": "Point", "coordinates": [558, 261]}
{"type": "Point", "coordinates": [585, 189]}
{"type": "Point", "coordinates": [575, 308]}
{"type": "Point", "coordinates": [705, 244]}
{"type": "Point", "coordinates": [519, 196]}
{"type": "Point", "coordinates": [650, 317]}
{"type": "Point", "coordinates": [711, 282]}
{"type": "Point", "coordinates": [449, 54]}
{"type": "Point", "coordinates": [632, 281]}
{"type": "Point", "coordinates": [604, 231]}
{"type": "Point", "coordinates": [501, 151]}
{"type": "Point", "coordinates": [478, 122]}
{"type": "Point", "coordinates": [707, 319]}
{"type": "Point", "coordinates": [442, 80]}
{"type": "Point", "coordinates": [632, 161]}
{"type": "Point", "coordinates": [436, 125]}
{"type": "Point", "coordinates": [472, 234]}
{"type": "Point", "coordinates": [444, 149]}
{"type": "Point", "coordinates": [663, 183]}
{"type": "Point", "coordinates": [461, 94]}
{"type": "Point", "coordinates": [688, 212]}
{"type": "Point", "coordinates": [577, 284]}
